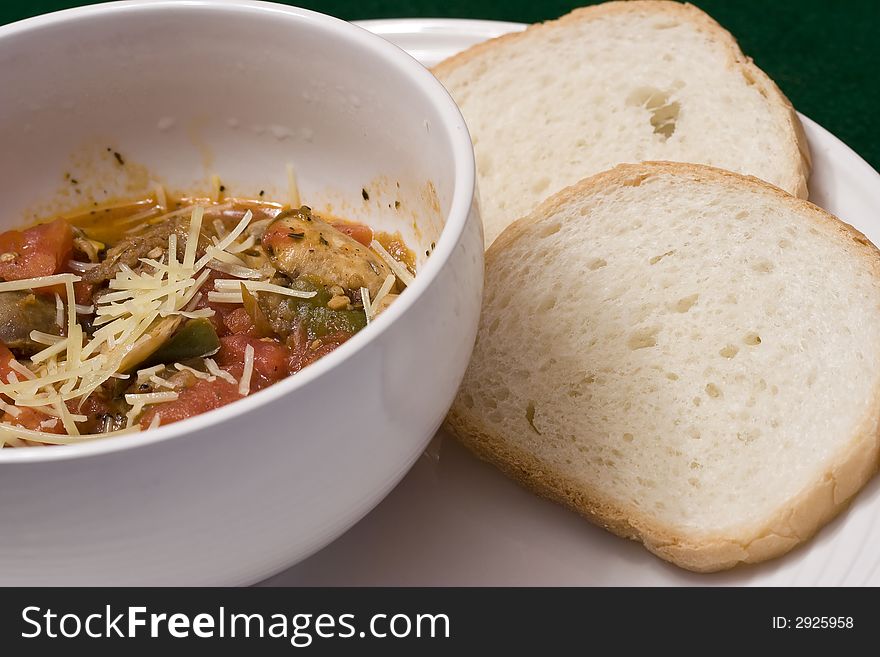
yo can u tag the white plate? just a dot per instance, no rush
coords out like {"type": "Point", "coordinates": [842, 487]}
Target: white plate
{"type": "Point", "coordinates": [456, 521]}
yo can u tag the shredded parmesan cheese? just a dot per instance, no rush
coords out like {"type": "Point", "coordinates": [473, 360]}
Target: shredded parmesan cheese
{"type": "Point", "coordinates": [21, 369]}
{"type": "Point", "coordinates": [195, 314]}
{"type": "Point", "coordinates": [214, 369]}
{"type": "Point", "coordinates": [40, 281]}
{"type": "Point", "coordinates": [228, 258]}
{"type": "Point", "coordinates": [235, 270]}
{"type": "Point", "coordinates": [69, 368]}
{"type": "Point", "coordinates": [58, 412]}
{"type": "Point", "coordinates": [74, 344]}
{"type": "Point", "coordinates": [52, 438]}
{"type": "Point", "coordinates": [225, 297]}
{"type": "Point", "coordinates": [56, 348]}
{"type": "Point", "coordinates": [257, 228]}
{"type": "Point", "coordinates": [368, 310]}
{"type": "Point", "coordinates": [9, 408]}
{"type": "Point", "coordinates": [385, 289]}
{"type": "Point", "coordinates": [59, 310]}
{"type": "Point", "coordinates": [396, 266]}
{"type": "Point", "coordinates": [193, 302]}
{"type": "Point", "coordinates": [45, 338]}
{"type": "Point", "coordinates": [147, 372]}
{"type": "Point", "coordinates": [244, 386]}
{"type": "Point", "coordinates": [71, 310]}
{"type": "Point", "coordinates": [218, 250]}
{"type": "Point", "coordinates": [132, 415]}
{"type": "Point", "coordinates": [150, 398]}
{"type": "Point", "coordinates": [225, 285]}
{"type": "Point", "coordinates": [195, 372]}
{"type": "Point", "coordinates": [242, 246]}
{"type": "Point", "coordinates": [219, 228]}
{"type": "Point", "coordinates": [162, 383]}
{"type": "Point", "coordinates": [66, 418]}
{"type": "Point", "coordinates": [192, 239]}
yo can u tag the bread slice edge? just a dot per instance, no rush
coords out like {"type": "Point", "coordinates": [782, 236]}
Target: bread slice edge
{"type": "Point", "coordinates": [799, 155]}
{"type": "Point", "coordinates": [783, 528]}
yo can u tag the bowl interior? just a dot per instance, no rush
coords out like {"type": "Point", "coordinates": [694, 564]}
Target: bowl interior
{"type": "Point", "coordinates": [186, 91]}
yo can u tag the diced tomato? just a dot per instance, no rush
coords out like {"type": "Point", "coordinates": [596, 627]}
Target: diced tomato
{"type": "Point", "coordinates": [304, 353]}
{"type": "Point", "coordinates": [221, 310]}
{"type": "Point", "coordinates": [359, 232]}
{"type": "Point", "coordinates": [238, 322]}
{"type": "Point", "coordinates": [30, 418]}
{"type": "Point", "coordinates": [5, 357]}
{"type": "Point", "coordinates": [42, 250]}
{"type": "Point", "coordinates": [201, 397]}
{"type": "Point", "coordinates": [94, 407]}
{"type": "Point", "coordinates": [83, 292]}
{"type": "Point", "coordinates": [270, 359]}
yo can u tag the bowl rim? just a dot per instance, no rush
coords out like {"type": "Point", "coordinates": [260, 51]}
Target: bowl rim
{"type": "Point", "coordinates": [457, 136]}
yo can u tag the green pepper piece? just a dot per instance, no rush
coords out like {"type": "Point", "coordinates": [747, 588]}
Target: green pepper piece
{"type": "Point", "coordinates": [258, 317]}
{"type": "Point", "coordinates": [323, 321]}
{"type": "Point", "coordinates": [317, 318]}
{"type": "Point", "coordinates": [196, 339]}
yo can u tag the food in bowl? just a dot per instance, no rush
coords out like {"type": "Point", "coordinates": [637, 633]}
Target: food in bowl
{"type": "Point", "coordinates": [274, 476]}
{"type": "Point", "coordinates": [131, 316]}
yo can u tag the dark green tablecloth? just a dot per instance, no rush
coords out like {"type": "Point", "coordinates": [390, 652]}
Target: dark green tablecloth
{"type": "Point", "coordinates": [824, 54]}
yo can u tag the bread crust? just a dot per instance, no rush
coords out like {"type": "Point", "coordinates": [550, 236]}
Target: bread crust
{"type": "Point", "coordinates": [799, 151]}
{"type": "Point", "coordinates": [796, 521]}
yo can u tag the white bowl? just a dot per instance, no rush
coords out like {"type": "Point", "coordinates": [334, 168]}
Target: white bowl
{"type": "Point", "coordinates": [184, 90]}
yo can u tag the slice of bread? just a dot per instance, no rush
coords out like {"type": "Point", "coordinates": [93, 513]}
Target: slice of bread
{"type": "Point", "coordinates": [686, 356]}
{"type": "Point", "coordinates": [617, 82]}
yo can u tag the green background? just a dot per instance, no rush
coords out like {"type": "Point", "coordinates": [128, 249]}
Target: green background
{"type": "Point", "coordinates": [824, 54]}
